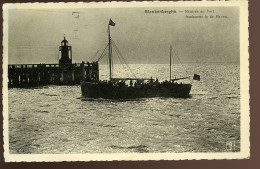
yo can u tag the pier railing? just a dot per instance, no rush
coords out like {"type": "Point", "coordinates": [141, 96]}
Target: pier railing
{"type": "Point", "coordinates": [13, 66]}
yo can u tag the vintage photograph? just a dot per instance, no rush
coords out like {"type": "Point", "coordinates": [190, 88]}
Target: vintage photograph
{"type": "Point", "coordinates": [126, 81]}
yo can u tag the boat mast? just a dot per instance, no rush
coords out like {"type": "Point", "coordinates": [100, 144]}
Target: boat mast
{"type": "Point", "coordinates": [170, 62]}
{"type": "Point", "coordinates": [109, 53]}
{"type": "Point", "coordinates": [111, 23]}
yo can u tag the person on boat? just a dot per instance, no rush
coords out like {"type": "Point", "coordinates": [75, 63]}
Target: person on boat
{"type": "Point", "coordinates": [151, 80]}
{"type": "Point", "coordinates": [110, 83]}
{"type": "Point", "coordinates": [131, 83]}
{"type": "Point", "coordinates": [139, 82]}
{"type": "Point", "coordinates": [121, 84]}
{"type": "Point", "coordinates": [157, 84]}
{"type": "Point", "coordinates": [135, 84]}
{"type": "Point", "coordinates": [142, 85]}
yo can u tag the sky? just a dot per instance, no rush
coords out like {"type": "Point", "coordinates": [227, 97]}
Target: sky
{"type": "Point", "coordinates": [35, 35]}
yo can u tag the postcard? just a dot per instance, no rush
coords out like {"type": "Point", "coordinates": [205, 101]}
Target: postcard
{"type": "Point", "coordinates": [126, 81]}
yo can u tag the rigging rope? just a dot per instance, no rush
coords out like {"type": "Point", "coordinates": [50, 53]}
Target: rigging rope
{"type": "Point", "coordinates": [101, 56]}
{"type": "Point", "coordinates": [180, 61]}
{"type": "Point", "coordinates": [116, 48]}
{"type": "Point", "coordinates": [91, 58]}
{"type": "Point", "coordinates": [120, 60]}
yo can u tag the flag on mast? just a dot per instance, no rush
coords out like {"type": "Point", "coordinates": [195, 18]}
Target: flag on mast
{"type": "Point", "coordinates": [111, 23]}
{"type": "Point", "coordinates": [196, 77]}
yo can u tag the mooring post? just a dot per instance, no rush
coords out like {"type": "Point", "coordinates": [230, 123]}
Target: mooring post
{"type": "Point", "coordinates": [73, 75]}
{"type": "Point", "coordinates": [82, 66]}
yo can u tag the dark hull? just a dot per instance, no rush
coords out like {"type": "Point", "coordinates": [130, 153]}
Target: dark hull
{"type": "Point", "coordinates": [97, 90]}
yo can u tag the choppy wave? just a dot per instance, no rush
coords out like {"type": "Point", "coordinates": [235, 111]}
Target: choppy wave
{"type": "Point", "coordinates": [56, 119]}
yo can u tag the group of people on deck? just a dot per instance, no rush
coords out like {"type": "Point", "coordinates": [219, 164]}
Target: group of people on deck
{"type": "Point", "coordinates": [139, 83]}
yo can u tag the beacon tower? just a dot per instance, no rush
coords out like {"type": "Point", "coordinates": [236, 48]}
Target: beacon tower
{"type": "Point", "coordinates": [65, 52]}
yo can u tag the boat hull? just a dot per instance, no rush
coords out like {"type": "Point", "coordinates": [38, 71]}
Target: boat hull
{"type": "Point", "coordinates": [99, 90]}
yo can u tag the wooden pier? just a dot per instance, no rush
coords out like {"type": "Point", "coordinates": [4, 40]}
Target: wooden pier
{"type": "Point", "coordinates": [31, 75]}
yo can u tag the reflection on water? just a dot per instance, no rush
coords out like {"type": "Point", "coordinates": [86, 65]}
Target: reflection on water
{"type": "Point", "coordinates": [56, 119]}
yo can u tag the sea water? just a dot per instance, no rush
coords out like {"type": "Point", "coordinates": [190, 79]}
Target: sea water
{"type": "Point", "coordinates": [56, 119]}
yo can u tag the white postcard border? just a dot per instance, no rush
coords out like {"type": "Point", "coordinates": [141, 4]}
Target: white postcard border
{"type": "Point", "coordinates": [244, 89]}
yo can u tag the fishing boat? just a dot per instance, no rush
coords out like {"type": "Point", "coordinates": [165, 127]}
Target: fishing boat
{"type": "Point", "coordinates": [132, 88]}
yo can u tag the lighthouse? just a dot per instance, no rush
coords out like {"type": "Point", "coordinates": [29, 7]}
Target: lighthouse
{"type": "Point", "coordinates": [65, 52]}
